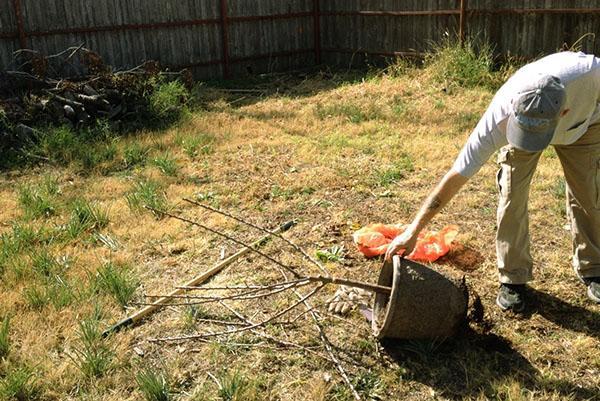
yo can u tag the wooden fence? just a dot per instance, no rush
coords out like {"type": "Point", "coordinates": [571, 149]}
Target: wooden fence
{"type": "Point", "coordinates": [234, 37]}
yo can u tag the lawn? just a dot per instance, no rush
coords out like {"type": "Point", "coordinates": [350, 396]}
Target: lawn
{"type": "Point", "coordinates": [79, 250]}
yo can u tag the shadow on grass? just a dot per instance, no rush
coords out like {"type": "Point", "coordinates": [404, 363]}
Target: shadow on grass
{"type": "Point", "coordinates": [563, 314]}
{"type": "Point", "coordinates": [475, 365]}
{"type": "Point", "coordinates": [252, 89]}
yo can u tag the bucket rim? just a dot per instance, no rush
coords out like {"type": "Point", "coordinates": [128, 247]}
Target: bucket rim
{"type": "Point", "coordinates": [380, 330]}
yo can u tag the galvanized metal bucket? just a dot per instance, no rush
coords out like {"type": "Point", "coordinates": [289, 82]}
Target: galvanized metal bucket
{"type": "Point", "coordinates": [424, 303]}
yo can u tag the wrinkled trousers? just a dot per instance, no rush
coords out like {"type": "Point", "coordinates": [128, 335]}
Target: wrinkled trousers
{"type": "Point", "coordinates": [581, 165]}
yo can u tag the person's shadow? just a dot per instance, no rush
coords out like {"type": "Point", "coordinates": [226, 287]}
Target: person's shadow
{"type": "Point", "coordinates": [561, 313]}
{"type": "Point", "coordinates": [482, 365]}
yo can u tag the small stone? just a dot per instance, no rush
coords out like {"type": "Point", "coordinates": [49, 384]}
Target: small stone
{"type": "Point", "coordinates": [138, 351]}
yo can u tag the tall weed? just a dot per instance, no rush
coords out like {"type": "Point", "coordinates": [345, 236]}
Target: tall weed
{"type": "Point", "coordinates": [469, 64]}
{"type": "Point", "coordinates": [153, 385]}
{"type": "Point", "coordinates": [92, 354]}
{"type": "Point", "coordinates": [117, 281]}
{"type": "Point", "coordinates": [147, 193]}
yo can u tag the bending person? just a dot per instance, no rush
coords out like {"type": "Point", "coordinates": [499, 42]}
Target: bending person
{"type": "Point", "coordinates": [552, 101]}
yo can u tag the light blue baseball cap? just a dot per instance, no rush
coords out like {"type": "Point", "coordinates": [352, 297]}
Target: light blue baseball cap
{"type": "Point", "coordinates": [535, 114]}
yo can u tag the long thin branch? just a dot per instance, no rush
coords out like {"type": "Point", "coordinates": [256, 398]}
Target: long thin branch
{"type": "Point", "coordinates": [227, 332]}
{"type": "Point", "coordinates": [240, 220]}
{"type": "Point", "coordinates": [327, 344]}
{"type": "Point", "coordinates": [245, 296]}
{"type": "Point", "coordinates": [243, 287]}
{"type": "Point", "coordinates": [195, 223]}
{"type": "Point", "coordinates": [272, 338]}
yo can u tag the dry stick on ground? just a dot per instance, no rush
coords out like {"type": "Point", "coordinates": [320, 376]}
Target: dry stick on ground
{"type": "Point", "coordinates": [272, 338]}
{"type": "Point", "coordinates": [205, 300]}
{"type": "Point", "coordinates": [317, 279]}
{"type": "Point", "coordinates": [195, 223]}
{"type": "Point", "coordinates": [139, 315]}
{"type": "Point", "coordinates": [252, 294]}
{"type": "Point", "coordinates": [227, 332]}
{"type": "Point", "coordinates": [326, 343]}
{"type": "Point", "coordinates": [240, 220]}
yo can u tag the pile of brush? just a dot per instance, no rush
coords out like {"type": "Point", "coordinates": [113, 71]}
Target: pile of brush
{"type": "Point", "coordinates": [75, 87]}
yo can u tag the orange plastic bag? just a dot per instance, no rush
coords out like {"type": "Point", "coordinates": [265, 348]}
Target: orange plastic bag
{"type": "Point", "coordinates": [373, 240]}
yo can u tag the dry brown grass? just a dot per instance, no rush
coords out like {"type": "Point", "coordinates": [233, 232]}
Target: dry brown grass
{"type": "Point", "coordinates": [316, 151]}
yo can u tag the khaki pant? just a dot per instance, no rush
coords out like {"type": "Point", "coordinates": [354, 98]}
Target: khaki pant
{"type": "Point", "coordinates": [581, 166]}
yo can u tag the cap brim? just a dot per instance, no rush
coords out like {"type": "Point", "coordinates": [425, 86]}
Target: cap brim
{"type": "Point", "coordinates": [529, 141]}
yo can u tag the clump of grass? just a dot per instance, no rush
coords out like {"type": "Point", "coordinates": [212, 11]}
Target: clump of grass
{"type": "Point", "coordinates": [190, 316]}
{"type": "Point", "coordinates": [88, 146]}
{"type": "Point", "coordinates": [92, 355]}
{"type": "Point", "coordinates": [36, 203]}
{"type": "Point", "coordinates": [468, 64]}
{"type": "Point", "coordinates": [135, 155]}
{"type": "Point", "coordinates": [234, 386]}
{"type": "Point", "coordinates": [117, 281]}
{"type": "Point", "coordinates": [21, 238]}
{"type": "Point", "coordinates": [153, 385]}
{"type": "Point", "coordinates": [196, 144]}
{"type": "Point", "coordinates": [335, 254]}
{"type": "Point", "coordinates": [35, 297]}
{"type": "Point", "coordinates": [147, 193]}
{"type": "Point", "coordinates": [86, 217]}
{"type": "Point", "coordinates": [44, 264]}
{"type": "Point", "coordinates": [4, 337]}
{"type": "Point", "coordinates": [93, 155]}
{"type": "Point", "coordinates": [166, 164]}
{"type": "Point", "coordinates": [168, 100]}
{"type": "Point", "coordinates": [395, 172]}
{"type": "Point", "coordinates": [19, 385]}
{"type": "Point", "coordinates": [59, 292]}
{"type": "Point", "coordinates": [59, 144]}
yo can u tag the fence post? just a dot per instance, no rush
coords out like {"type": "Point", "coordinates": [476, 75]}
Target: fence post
{"type": "Point", "coordinates": [463, 21]}
{"type": "Point", "coordinates": [20, 24]}
{"type": "Point", "coordinates": [225, 39]}
{"type": "Point", "coordinates": [317, 28]}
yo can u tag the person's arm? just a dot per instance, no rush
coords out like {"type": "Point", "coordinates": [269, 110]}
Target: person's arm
{"type": "Point", "coordinates": [437, 199]}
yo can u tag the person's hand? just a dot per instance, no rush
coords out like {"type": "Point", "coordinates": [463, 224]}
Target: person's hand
{"type": "Point", "coordinates": [407, 241]}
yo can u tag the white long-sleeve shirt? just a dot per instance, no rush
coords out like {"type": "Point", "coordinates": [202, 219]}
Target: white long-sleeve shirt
{"type": "Point", "coordinates": [579, 73]}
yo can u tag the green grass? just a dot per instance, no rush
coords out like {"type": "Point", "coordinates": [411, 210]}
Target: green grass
{"type": "Point", "coordinates": [35, 297]}
{"type": "Point", "coordinates": [335, 254]}
{"type": "Point", "coordinates": [354, 113]}
{"type": "Point", "coordinates": [166, 164]}
{"type": "Point", "coordinates": [196, 144]}
{"type": "Point", "coordinates": [92, 354]}
{"type": "Point", "coordinates": [147, 193]}
{"type": "Point", "coordinates": [394, 172]}
{"type": "Point", "coordinates": [36, 203]}
{"type": "Point", "coordinates": [168, 100]}
{"type": "Point", "coordinates": [86, 217]}
{"type": "Point", "coordinates": [135, 154]}
{"type": "Point", "coordinates": [93, 155]}
{"type": "Point", "coordinates": [88, 146]}
{"type": "Point", "coordinates": [59, 292]}
{"type": "Point", "coordinates": [4, 337]}
{"type": "Point", "coordinates": [234, 386]}
{"type": "Point", "coordinates": [153, 385]}
{"type": "Point", "coordinates": [44, 264]}
{"type": "Point", "coordinates": [19, 385]}
{"type": "Point", "coordinates": [117, 280]}
{"type": "Point", "coordinates": [468, 65]}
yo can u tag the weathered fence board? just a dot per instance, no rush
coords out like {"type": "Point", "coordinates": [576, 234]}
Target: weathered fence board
{"type": "Point", "coordinates": [232, 37]}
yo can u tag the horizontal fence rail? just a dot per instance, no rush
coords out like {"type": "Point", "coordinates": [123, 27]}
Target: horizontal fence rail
{"type": "Point", "coordinates": [229, 35]}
